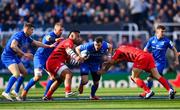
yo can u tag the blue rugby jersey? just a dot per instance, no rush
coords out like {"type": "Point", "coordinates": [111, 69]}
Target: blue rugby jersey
{"type": "Point", "coordinates": [45, 52]}
{"type": "Point", "coordinates": [158, 48]}
{"type": "Point", "coordinates": [21, 38]}
{"type": "Point", "coordinates": [95, 56]}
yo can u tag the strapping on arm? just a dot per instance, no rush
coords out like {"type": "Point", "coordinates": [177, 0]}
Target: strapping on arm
{"type": "Point", "coordinates": [71, 53]}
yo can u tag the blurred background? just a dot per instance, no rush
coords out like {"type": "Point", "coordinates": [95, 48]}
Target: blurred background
{"type": "Point", "coordinates": [120, 22]}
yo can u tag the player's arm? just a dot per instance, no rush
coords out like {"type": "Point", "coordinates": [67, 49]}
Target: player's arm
{"type": "Point", "coordinates": [52, 40]}
{"type": "Point", "coordinates": [176, 55]}
{"type": "Point", "coordinates": [105, 67]}
{"type": "Point", "coordinates": [172, 47]}
{"type": "Point", "coordinates": [40, 44]}
{"type": "Point", "coordinates": [59, 39]}
{"type": "Point", "coordinates": [49, 38]}
{"type": "Point", "coordinates": [147, 46]}
{"type": "Point", "coordinates": [73, 55]}
{"type": "Point", "coordinates": [78, 51]}
{"type": "Point", "coordinates": [110, 49]}
{"type": "Point", "coordinates": [145, 49]}
{"type": "Point", "coordinates": [14, 46]}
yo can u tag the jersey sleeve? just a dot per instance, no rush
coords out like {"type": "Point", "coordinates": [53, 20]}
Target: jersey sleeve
{"type": "Point", "coordinates": [116, 55]}
{"type": "Point", "coordinates": [18, 38]}
{"type": "Point", "coordinates": [105, 45]}
{"type": "Point", "coordinates": [85, 46]}
{"type": "Point", "coordinates": [68, 45]}
{"type": "Point", "coordinates": [49, 38]}
{"type": "Point", "coordinates": [148, 44]}
{"type": "Point", "coordinates": [30, 40]}
{"type": "Point", "coordinates": [170, 44]}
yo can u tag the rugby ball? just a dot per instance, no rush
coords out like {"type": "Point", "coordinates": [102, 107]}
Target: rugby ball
{"type": "Point", "coordinates": [85, 54]}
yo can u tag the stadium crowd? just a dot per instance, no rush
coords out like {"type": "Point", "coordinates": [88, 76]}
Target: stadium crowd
{"type": "Point", "coordinates": [44, 13]}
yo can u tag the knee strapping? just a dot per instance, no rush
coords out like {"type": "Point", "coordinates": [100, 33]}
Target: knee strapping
{"type": "Point", "coordinates": [132, 79]}
{"type": "Point", "coordinates": [37, 78]}
{"type": "Point", "coordinates": [16, 75]}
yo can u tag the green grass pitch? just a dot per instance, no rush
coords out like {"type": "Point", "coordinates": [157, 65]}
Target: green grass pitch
{"type": "Point", "coordinates": [119, 98]}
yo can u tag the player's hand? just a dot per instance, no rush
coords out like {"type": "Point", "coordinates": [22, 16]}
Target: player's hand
{"type": "Point", "coordinates": [79, 59]}
{"type": "Point", "coordinates": [28, 55]}
{"type": "Point", "coordinates": [52, 46]}
{"type": "Point", "coordinates": [100, 72]}
{"type": "Point", "coordinates": [176, 62]}
{"type": "Point", "coordinates": [109, 57]}
{"type": "Point", "coordinates": [59, 39]}
{"type": "Point", "coordinates": [178, 53]}
{"type": "Point", "coordinates": [74, 62]}
{"type": "Point", "coordinates": [84, 58]}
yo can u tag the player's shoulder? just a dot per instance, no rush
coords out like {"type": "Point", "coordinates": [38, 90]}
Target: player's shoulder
{"type": "Point", "coordinates": [67, 42]}
{"type": "Point", "coordinates": [52, 34]}
{"type": "Point", "coordinates": [18, 35]}
{"type": "Point", "coordinates": [48, 35]}
{"type": "Point", "coordinates": [152, 38]}
{"type": "Point", "coordinates": [105, 43]}
{"type": "Point", "coordinates": [166, 39]}
{"type": "Point", "coordinates": [123, 47]}
{"type": "Point", "coordinates": [88, 44]}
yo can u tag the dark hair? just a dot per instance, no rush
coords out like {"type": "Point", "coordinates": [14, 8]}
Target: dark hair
{"type": "Point", "coordinates": [161, 27]}
{"type": "Point", "coordinates": [59, 24]}
{"type": "Point", "coordinates": [99, 39]}
{"type": "Point", "coordinates": [73, 31]}
{"type": "Point", "coordinates": [29, 25]}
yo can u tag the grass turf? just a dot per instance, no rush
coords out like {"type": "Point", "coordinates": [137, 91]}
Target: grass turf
{"type": "Point", "coordinates": [121, 98]}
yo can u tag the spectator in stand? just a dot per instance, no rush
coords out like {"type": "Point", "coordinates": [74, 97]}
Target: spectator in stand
{"type": "Point", "coordinates": [176, 18]}
{"type": "Point", "coordinates": [87, 12]}
{"type": "Point", "coordinates": [136, 8]}
{"type": "Point", "coordinates": [23, 10]}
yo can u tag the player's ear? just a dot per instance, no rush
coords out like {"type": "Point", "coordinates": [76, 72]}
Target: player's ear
{"type": "Point", "coordinates": [72, 35]}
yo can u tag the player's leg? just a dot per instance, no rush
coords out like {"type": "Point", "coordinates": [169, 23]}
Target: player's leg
{"type": "Point", "coordinates": [140, 83]}
{"type": "Point", "coordinates": [160, 68]}
{"type": "Point", "coordinates": [38, 69]}
{"type": "Point", "coordinates": [84, 81]}
{"type": "Point", "coordinates": [84, 71]}
{"type": "Point", "coordinates": [95, 85]}
{"type": "Point", "coordinates": [13, 68]}
{"type": "Point", "coordinates": [149, 84]}
{"type": "Point", "coordinates": [20, 80]}
{"type": "Point", "coordinates": [163, 81]}
{"type": "Point", "coordinates": [49, 83]}
{"type": "Point", "coordinates": [67, 74]}
{"type": "Point", "coordinates": [149, 81]}
{"type": "Point", "coordinates": [153, 70]}
{"type": "Point", "coordinates": [63, 74]}
{"type": "Point", "coordinates": [51, 68]}
{"type": "Point", "coordinates": [11, 62]}
{"type": "Point", "coordinates": [32, 81]}
{"type": "Point", "coordinates": [53, 88]}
